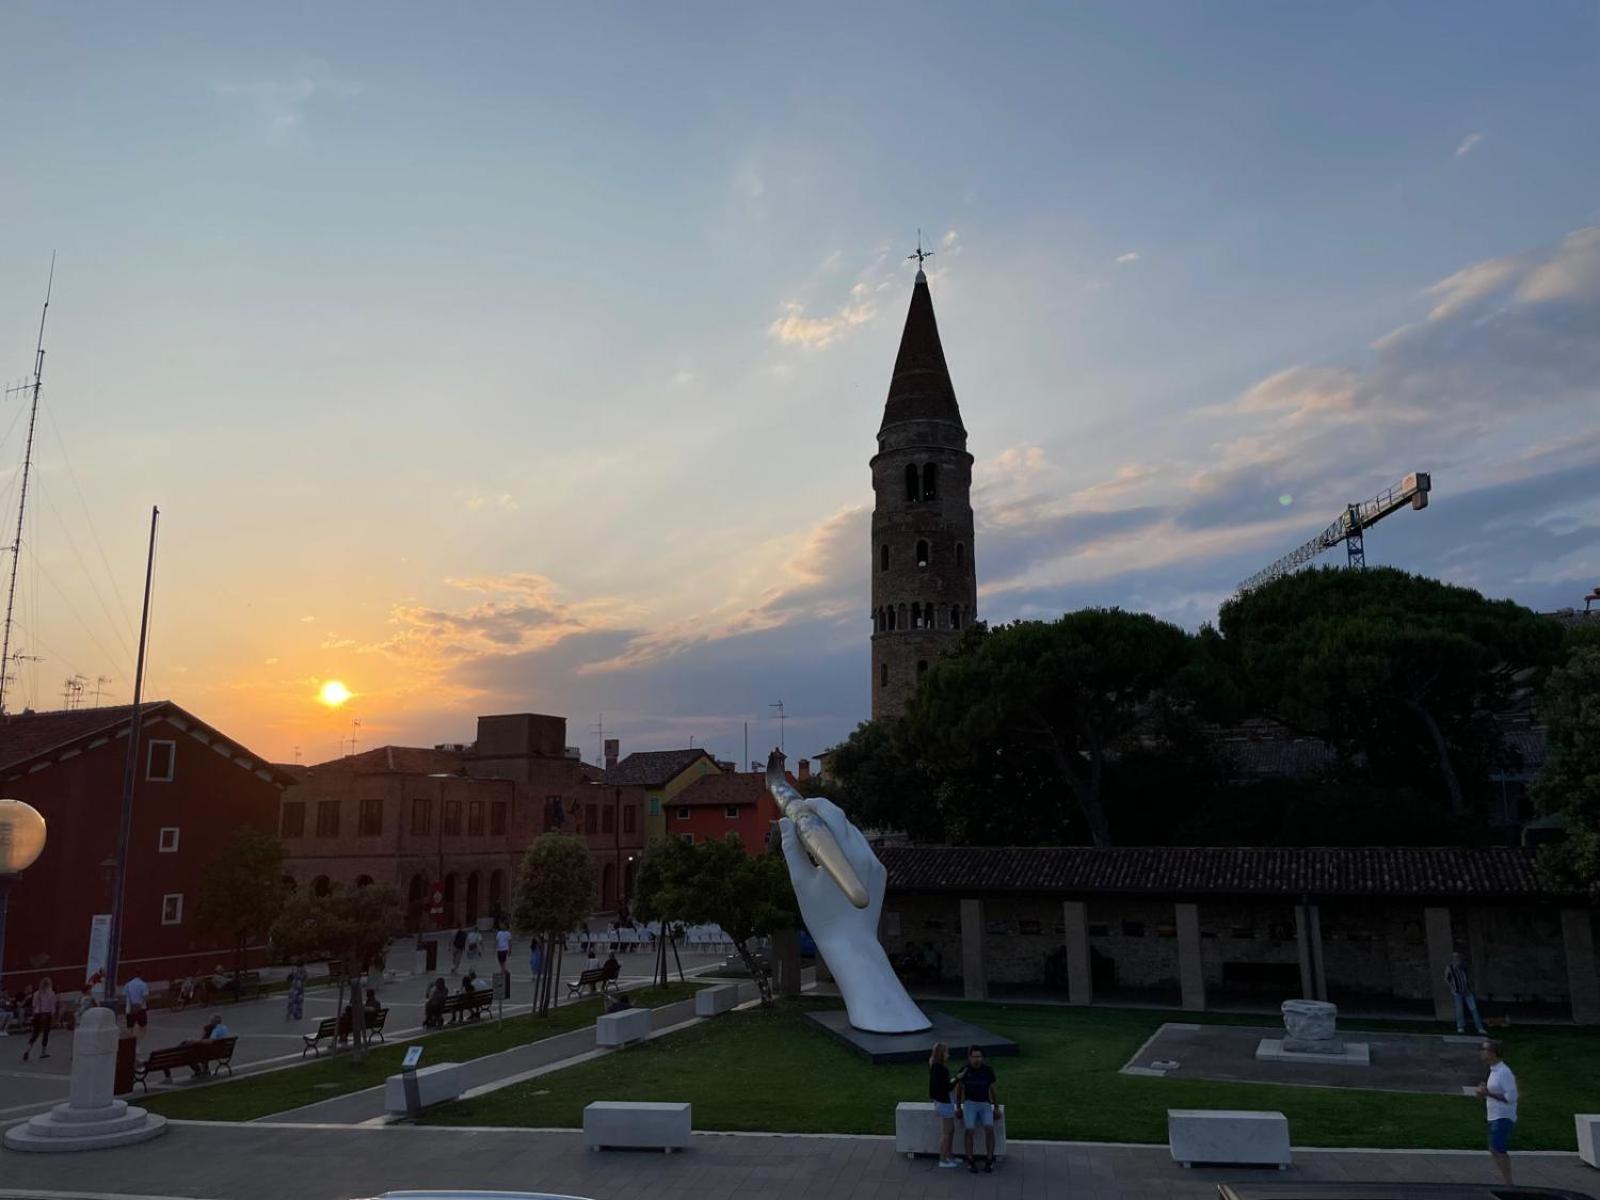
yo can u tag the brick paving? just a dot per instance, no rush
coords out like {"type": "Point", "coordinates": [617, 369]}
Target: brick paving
{"type": "Point", "coordinates": [268, 1162]}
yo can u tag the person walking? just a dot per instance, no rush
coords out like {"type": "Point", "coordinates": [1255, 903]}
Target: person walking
{"type": "Point", "coordinates": [1460, 983]}
{"type": "Point", "coordinates": [980, 1104]}
{"type": "Point", "coordinates": [458, 946]}
{"type": "Point", "coordinates": [474, 945]}
{"type": "Point", "coordinates": [1499, 1094]}
{"type": "Point", "coordinates": [502, 945]}
{"type": "Point", "coordinates": [294, 1007]}
{"type": "Point", "coordinates": [44, 1016]}
{"type": "Point", "coordinates": [136, 997]}
{"type": "Point", "coordinates": [944, 1107]}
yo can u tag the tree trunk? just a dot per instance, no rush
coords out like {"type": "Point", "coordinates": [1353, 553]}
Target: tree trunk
{"type": "Point", "coordinates": [1458, 804]}
{"type": "Point", "coordinates": [763, 983]}
{"type": "Point", "coordinates": [358, 1024]}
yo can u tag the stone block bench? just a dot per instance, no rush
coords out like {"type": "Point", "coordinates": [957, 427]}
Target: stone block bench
{"type": "Point", "coordinates": [714, 1001]}
{"type": "Point", "coordinates": [1588, 1137]}
{"type": "Point", "coordinates": [620, 1028]}
{"type": "Point", "coordinates": [917, 1128]}
{"type": "Point", "coordinates": [636, 1125]}
{"type": "Point", "coordinates": [435, 1085]}
{"type": "Point", "coordinates": [1207, 1135]}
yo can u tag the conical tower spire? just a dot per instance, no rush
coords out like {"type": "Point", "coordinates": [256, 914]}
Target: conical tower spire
{"type": "Point", "coordinates": [920, 388]}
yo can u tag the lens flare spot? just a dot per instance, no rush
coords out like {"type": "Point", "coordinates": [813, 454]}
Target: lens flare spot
{"type": "Point", "coordinates": [1286, 499]}
{"type": "Point", "coordinates": [334, 693]}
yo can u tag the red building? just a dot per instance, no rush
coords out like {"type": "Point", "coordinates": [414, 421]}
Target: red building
{"type": "Point", "coordinates": [194, 789]}
{"type": "Point", "coordinates": [716, 805]}
{"type": "Point", "coordinates": [460, 816]}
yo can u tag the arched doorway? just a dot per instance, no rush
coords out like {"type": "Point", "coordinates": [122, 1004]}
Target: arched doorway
{"type": "Point", "coordinates": [363, 881]}
{"type": "Point", "coordinates": [472, 898]}
{"type": "Point", "coordinates": [321, 886]}
{"type": "Point", "coordinates": [416, 901]}
{"type": "Point", "coordinates": [608, 886]}
{"type": "Point", "coordinates": [449, 917]}
{"type": "Point", "coordinates": [497, 896]}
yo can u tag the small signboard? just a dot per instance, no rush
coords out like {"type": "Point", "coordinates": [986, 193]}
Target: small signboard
{"type": "Point", "coordinates": [436, 902]}
{"type": "Point", "coordinates": [412, 1058]}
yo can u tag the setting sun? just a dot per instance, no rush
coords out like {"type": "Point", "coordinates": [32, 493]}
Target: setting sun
{"type": "Point", "coordinates": [334, 693]}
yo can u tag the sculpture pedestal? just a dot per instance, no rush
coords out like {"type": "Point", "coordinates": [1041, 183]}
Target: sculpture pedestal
{"type": "Point", "coordinates": [92, 1119]}
{"type": "Point", "coordinates": [914, 1047]}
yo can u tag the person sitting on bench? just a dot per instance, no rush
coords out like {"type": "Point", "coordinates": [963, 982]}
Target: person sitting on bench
{"type": "Point", "coordinates": [214, 1031]}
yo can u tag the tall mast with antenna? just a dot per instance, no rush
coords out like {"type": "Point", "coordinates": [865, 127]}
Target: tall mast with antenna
{"type": "Point", "coordinates": [22, 500]}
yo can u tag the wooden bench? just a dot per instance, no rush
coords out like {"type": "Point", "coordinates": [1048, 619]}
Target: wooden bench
{"type": "Point", "coordinates": [201, 1057]}
{"type": "Point", "coordinates": [338, 1029]}
{"type": "Point", "coordinates": [474, 1004]}
{"type": "Point", "coordinates": [375, 1024]}
{"type": "Point", "coordinates": [601, 979]}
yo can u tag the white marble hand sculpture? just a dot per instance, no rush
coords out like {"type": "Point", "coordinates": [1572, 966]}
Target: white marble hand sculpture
{"type": "Point", "coordinates": [847, 936]}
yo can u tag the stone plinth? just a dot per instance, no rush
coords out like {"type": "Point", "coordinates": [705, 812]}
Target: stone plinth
{"type": "Point", "coordinates": [1588, 1137]}
{"type": "Point", "coordinates": [620, 1028]}
{"type": "Point", "coordinates": [1201, 1135]}
{"type": "Point", "coordinates": [91, 1119]}
{"type": "Point", "coordinates": [917, 1128]}
{"type": "Point", "coordinates": [637, 1125]}
{"type": "Point", "coordinates": [959, 1035]}
{"type": "Point", "coordinates": [714, 1001]}
{"type": "Point", "coordinates": [433, 1085]}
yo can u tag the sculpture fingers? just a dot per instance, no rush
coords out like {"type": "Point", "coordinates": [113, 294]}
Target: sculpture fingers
{"type": "Point", "coordinates": [851, 840]}
{"type": "Point", "coordinates": [801, 868]}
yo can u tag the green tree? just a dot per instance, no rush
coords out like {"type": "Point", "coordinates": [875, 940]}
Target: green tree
{"type": "Point", "coordinates": [1403, 672]}
{"type": "Point", "coordinates": [351, 926]}
{"type": "Point", "coordinates": [667, 863]}
{"type": "Point", "coordinates": [1569, 782]}
{"type": "Point", "coordinates": [555, 893]}
{"type": "Point", "coordinates": [242, 891]}
{"type": "Point", "coordinates": [1035, 709]}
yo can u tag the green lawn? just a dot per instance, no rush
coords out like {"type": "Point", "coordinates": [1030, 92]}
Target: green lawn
{"type": "Point", "coordinates": [775, 1071]}
{"type": "Point", "coordinates": [252, 1096]}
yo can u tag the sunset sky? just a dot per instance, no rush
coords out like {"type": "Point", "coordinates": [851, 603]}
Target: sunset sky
{"type": "Point", "coordinates": [508, 357]}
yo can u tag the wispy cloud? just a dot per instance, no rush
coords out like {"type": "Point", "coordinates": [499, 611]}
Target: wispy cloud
{"type": "Point", "coordinates": [797, 329]}
{"type": "Point", "coordinates": [503, 501]}
{"type": "Point", "coordinates": [283, 103]}
{"type": "Point", "coordinates": [1132, 256]}
{"type": "Point", "coordinates": [1468, 143]}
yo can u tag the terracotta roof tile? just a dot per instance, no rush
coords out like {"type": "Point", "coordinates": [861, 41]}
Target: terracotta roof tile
{"type": "Point", "coordinates": [653, 768]}
{"type": "Point", "coordinates": [723, 789]}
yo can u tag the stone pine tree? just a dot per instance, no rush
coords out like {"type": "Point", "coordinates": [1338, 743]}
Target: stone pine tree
{"type": "Point", "coordinates": [242, 891]}
{"type": "Point", "coordinates": [349, 926]}
{"type": "Point", "coordinates": [1569, 784]}
{"type": "Point", "coordinates": [555, 892]}
{"type": "Point", "coordinates": [668, 861]}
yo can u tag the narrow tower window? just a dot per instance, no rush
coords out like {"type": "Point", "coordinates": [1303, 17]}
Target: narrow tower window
{"type": "Point", "coordinates": [883, 674]}
{"type": "Point", "coordinates": [916, 616]}
{"type": "Point", "coordinates": [883, 557]}
{"type": "Point", "coordinates": [930, 481]}
{"type": "Point", "coordinates": [911, 482]}
{"type": "Point", "coordinates": [961, 555]}
{"type": "Point", "coordinates": [955, 616]}
{"type": "Point", "coordinates": [922, 554]}
{"type": "Point", "coordinates": [903, 624]}
{"type": "Point", "coordinates": [891, 618]}
{"type": "Point", "coordinates": [922, 668]}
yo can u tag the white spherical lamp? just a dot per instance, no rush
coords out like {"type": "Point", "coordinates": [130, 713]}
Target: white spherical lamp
{"type": "Point", "coordinates": [21, 836]}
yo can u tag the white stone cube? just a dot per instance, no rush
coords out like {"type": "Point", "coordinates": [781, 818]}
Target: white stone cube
{"type": "Point", "coordinates": [917, 1130]}
{"type": "Point", "coordinates": [620, 1028]}
{"type": "Point", "coordinates": [714, 1001]}
{"type": "Point", "coordinates": [1588, 1137]}
{"type": "Point", "coordinates": [637, 1125]}
{"type": "Point", "coordinates": [1206, 1135]}
{"type": "Point", "coordinates": [435, 1085]}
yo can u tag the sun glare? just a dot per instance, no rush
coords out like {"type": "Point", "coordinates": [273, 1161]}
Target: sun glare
{"type": "Point", "coordinates": [334, 693]}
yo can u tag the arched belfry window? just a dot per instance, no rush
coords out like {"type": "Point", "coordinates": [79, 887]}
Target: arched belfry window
{"type": "Point", "coordinates": [911, 482]}
{"type": "Point", "coordinates": [903, 624]}
{"type": "Point", "coordinates": [922, 554]}
{"type": "Point", "coordinates": [955, 616]}
{"type": "Point", "coordinates": [916, 616]}
{"type": "Point", "coordinates": [961, 554]}
{"type": "Point", "coordinates": [891, 618]}
{"type": "Point", "coordinates": [883, 674]}
{"type": "Point", "coordinates": [922, 668]}
{"type": "Point", "coordinates": [930, 481]}
{"type": "Point", "coordinates": [883, 557]}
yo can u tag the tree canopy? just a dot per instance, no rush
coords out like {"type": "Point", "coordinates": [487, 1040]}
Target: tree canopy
{"type": "Point", "coordinates": [555, 885]}
{"type": "Point", "coordinates": [242, 889]}
{"type": "Point", "coordinates": [1569, 784]}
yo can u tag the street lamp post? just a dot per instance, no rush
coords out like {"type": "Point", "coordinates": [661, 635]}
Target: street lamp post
{"type": "Point", "coordinates": [22, 833]}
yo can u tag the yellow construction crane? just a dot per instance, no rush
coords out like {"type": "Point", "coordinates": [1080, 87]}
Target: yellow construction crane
{"type": "Point", "coordinates": [1410, 492]}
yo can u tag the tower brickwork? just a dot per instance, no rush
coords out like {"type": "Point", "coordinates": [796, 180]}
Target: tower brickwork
{"type": "Point", "coordinates": [924, 582]}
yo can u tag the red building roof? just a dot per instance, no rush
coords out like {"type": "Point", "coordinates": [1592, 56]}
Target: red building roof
{"type": "Point", "coordinates": [725, 790]}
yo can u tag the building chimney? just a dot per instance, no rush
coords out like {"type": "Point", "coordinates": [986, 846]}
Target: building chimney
{"type": "Point", "coordinates": [804, 772]}
{"type": "Point", "coordinates": [613, 752]}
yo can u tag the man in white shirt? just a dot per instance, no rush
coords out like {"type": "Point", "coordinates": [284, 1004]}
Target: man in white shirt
{"type": "Point", "coordinates": [502, 945]}
{"type": "Point", "coordinates": [136, 995]}
{"type": "Point", "coordinates": [1499, 1094]}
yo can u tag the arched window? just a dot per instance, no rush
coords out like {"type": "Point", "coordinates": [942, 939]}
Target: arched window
{"type": "Point", "coordinates": [883, 674]}
{"type": "Point", "coordinates": [891, 617]}
{"type": "Point", "coordinates": [911, 482]}
{"type": "Point", "coordinates": [922, 555]}
{"type": "Point", "coordinates": [930, 481]}
{"type": "Point", "coordinates": [922, 667]}
{"type": "Point", "coordinates": [363, 881]}
{"type": "Point", "coordinates": [916, 616]}
{"type": "Point", "coordinates": [883, 557]}
{"type": "Point", "coordinates": [321, 886]}
{"type": "Point", "coordinates": [903, 624]}
{"type": "Point", "coordinates": [961, 554]}
{"type": "Point", "coordinates": [290, 883]}
{"type": "Point", "coordinates": [955, 616]}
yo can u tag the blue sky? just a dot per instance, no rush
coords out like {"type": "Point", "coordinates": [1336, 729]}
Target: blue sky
{"type": "Point", "coordinates": [504, 358]}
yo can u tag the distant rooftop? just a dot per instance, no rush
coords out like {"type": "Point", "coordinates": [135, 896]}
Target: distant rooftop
{"type": "Point", "coordinates": [653, 768]}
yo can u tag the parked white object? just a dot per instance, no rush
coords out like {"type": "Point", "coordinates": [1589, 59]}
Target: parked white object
{"type": "Point", "coordinates": [917, 1128]}
{"type": "Point", "coordinates": [714, 1001]}
{"type": "Point", "coordinates": [620, 1028]}
{"type": "Point", "coordinates": [635, 1124]}
{"type": "Point", "coordinates": [1206, 1135]}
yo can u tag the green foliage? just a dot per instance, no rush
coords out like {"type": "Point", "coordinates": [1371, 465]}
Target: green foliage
{"type": "Point", "coordinates": [555, 885]}
{"type": "Point", "coordinates": [667, 861]}
{"type": "Point", "coordinates": [1406, 672]}
{"type": "Point", "coordinates": [348, 925]}
{"type": "Point", "coordinates": [1569, 784]}
{"type": "Point", "coordinates": [242, 889]}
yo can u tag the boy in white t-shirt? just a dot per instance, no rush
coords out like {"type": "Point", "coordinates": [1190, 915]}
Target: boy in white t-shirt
{"type": "Point", "coordinates": [1499, 1094]}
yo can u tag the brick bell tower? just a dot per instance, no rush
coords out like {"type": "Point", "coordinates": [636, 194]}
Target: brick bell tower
{"type": "Point", "coordinates": [924, 585]}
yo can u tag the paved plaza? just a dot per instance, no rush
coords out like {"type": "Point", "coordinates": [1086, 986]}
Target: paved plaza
{"type": "Point", "coordinates": [267, 1039]}
{"type": "Point", "coordinates": [269, 1162]}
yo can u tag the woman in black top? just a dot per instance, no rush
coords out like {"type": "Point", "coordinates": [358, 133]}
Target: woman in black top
{"type": "Point", "coordinates": [943, 1107]}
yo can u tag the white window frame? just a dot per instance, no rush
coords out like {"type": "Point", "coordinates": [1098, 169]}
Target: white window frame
{"type": "Point", "coordinates": [731, 812]}
{"type": "Point", "coordinates": [177, 918]}
{"type": "Point", "coordinates": [149, 760]}
{"type": "Point", "coordinates": [687, 837]}
{"type": "Point", "coordinates": [162, 847]}
{"type": "Point", "coordinates": [683, 812]}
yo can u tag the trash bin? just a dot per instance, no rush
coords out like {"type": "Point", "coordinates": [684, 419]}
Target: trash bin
{"type": "Point", "coordinates": [431, 949]}
{"type": "Point", "coordinates": [127, 1052]}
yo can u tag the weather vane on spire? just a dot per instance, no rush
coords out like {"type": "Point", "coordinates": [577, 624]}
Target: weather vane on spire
{"type": "Point", "coordinates": [921, 254]}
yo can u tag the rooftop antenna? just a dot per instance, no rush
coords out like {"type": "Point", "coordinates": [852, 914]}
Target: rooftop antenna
{"type": "Point", "coordinates": [781, 719]}
{"type": "Point", "coordinates": [921, 254]}
{"type": "Point", "coordinates": [297, 755]}
{"type": "Point", "coordinates": [600, 739]}
{"type": "Point", "coordinates": [27, 469]}
{"type": "Point", "coordinates": [355, 732]}
{"type": "Point", "coordinates": [72, 692]}
{"type": "Point", "coordinates": [99, 685]}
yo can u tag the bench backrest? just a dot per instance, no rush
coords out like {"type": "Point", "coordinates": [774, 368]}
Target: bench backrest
{"type": "Point", "coordinates": [593, 975]}
{"type": "Point", "coordinates": [169, 1056]}
{"type": "Point", "coordinates": [376, 1020]}
{"type": "Point", "coordinates": [328, 1026]}
{"type": "Point", "coordinates": [221, 1048]}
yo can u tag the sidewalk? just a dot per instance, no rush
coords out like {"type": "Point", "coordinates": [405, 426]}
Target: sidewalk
{"type": "Point", "coordinates": [268, 1162]}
